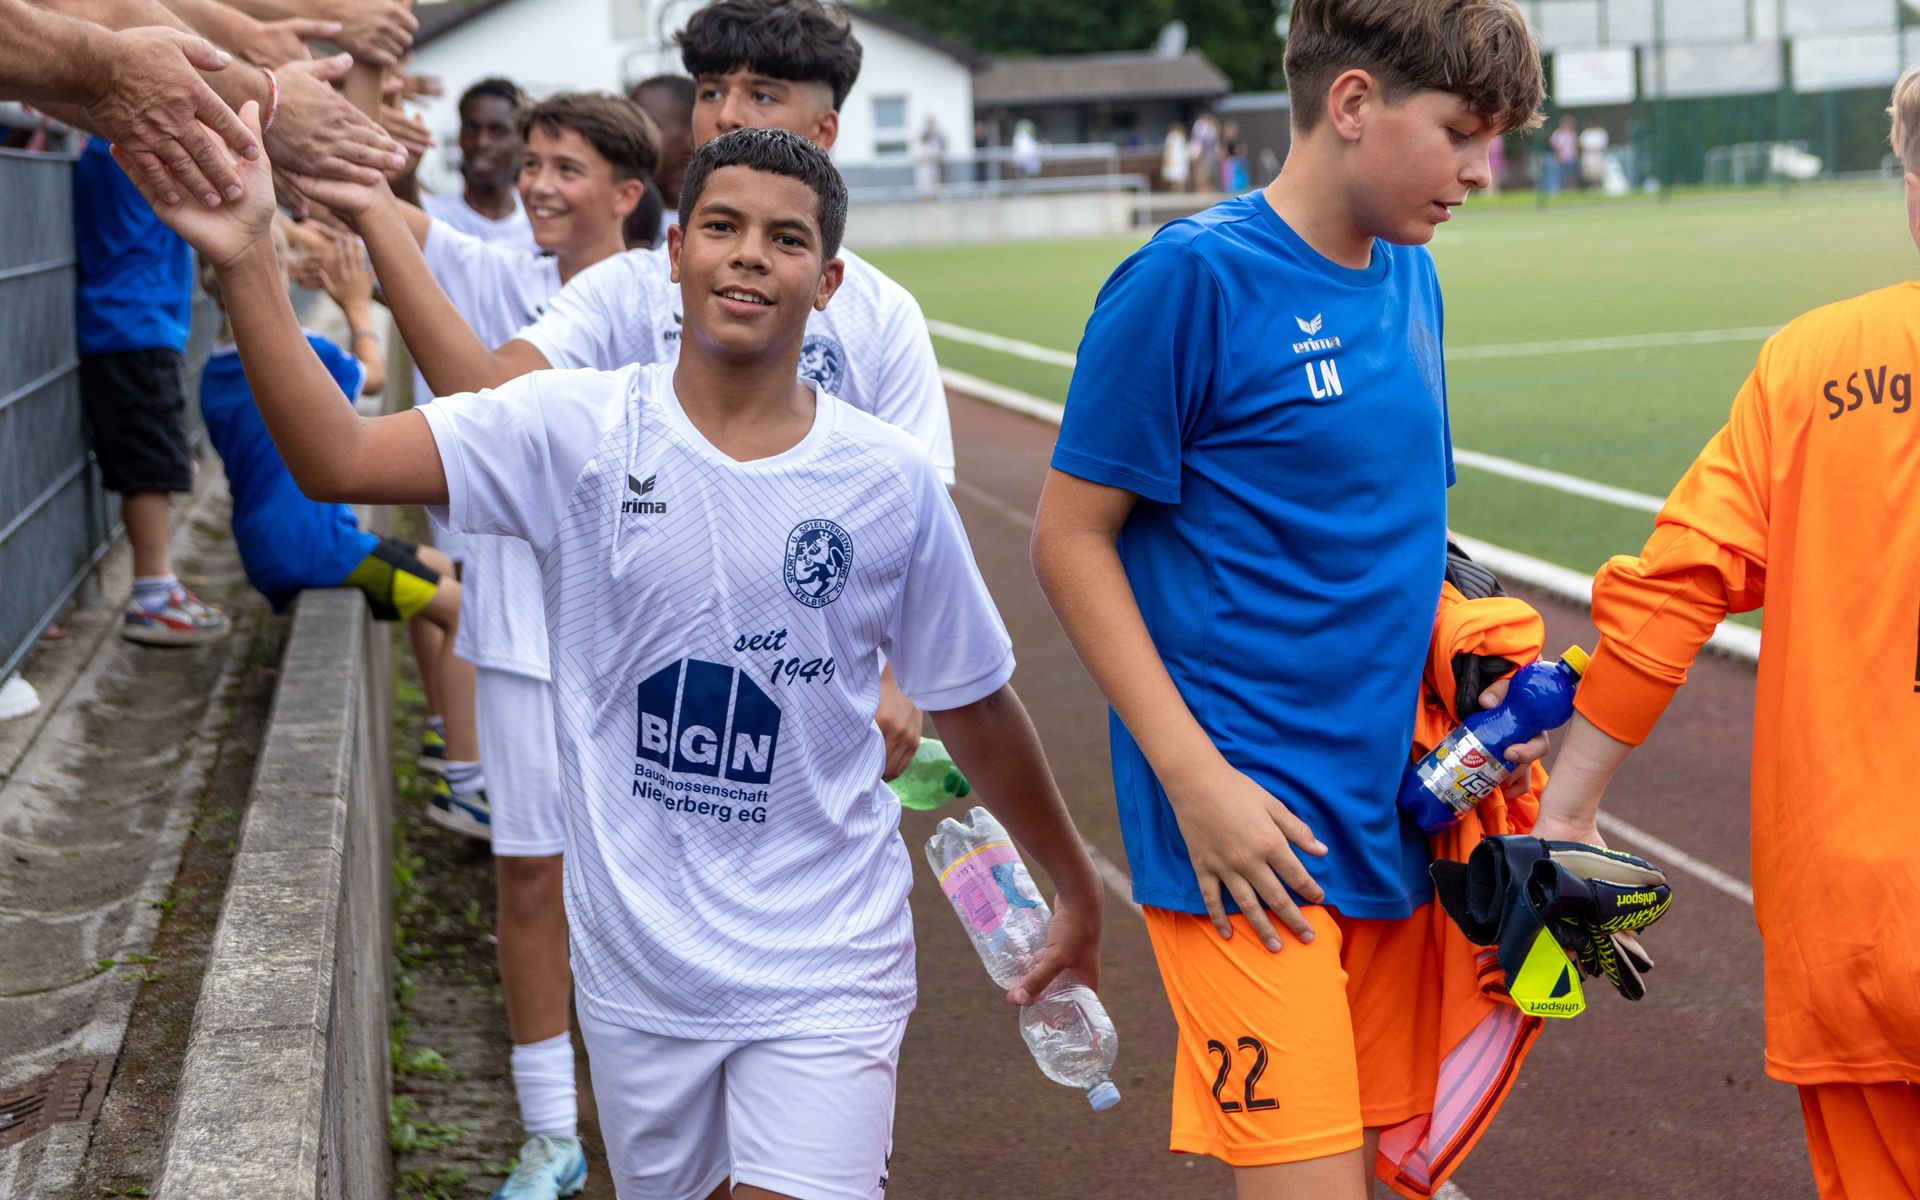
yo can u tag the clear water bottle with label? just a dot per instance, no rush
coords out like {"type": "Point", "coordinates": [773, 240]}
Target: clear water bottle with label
{"type": "Point", "coordinates": [1470, 763]}
{"type": "Point", "coordinates": [1067, 1027]}
{"type": "Point", "coordinates": [931, 779]}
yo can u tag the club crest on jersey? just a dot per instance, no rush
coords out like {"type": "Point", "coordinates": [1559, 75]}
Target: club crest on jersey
{"type": "Point", "coordinates": [824, 361]}
{"type": "Point", "coordinates": [703, 718]}
{"type": "Point", "coordinates": [819, 555]}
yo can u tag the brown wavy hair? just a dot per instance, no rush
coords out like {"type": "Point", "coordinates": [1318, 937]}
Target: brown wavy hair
{"type": "Point", "coordinates": [1479, 50]}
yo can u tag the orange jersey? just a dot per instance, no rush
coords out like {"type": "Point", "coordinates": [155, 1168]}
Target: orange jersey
{"type": "Point", "coordinates": [1808, 501]}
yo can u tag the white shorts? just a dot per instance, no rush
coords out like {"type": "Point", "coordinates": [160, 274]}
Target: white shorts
{"type": "Point", "coordinates": [521, 756]}
{"type": "Point", "coordinates": [810, 1117]}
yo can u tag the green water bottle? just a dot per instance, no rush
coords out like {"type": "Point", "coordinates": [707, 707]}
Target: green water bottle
{"type": "Point", "coordinates": [931, 779]}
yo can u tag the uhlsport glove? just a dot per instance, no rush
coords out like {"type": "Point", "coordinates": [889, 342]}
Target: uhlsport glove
{"type": "Point", "coordinates": [1545, 903]}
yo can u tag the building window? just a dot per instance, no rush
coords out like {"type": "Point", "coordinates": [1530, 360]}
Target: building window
{"type": "Point", "coordinates": [890, 125]}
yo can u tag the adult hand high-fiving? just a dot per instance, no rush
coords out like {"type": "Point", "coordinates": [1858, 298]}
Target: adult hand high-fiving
{"type": "Point", "coordinates": [319, 132]}
{"type": "Point", "coordinates": [140, 88]}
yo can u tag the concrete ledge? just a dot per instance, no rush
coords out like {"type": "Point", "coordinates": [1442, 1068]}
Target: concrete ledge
{"type": "Point", "coordinates": [283, 1095]}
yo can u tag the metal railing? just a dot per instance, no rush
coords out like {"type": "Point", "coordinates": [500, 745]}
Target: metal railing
{"type": "Point", "coordinates": [55, 523]}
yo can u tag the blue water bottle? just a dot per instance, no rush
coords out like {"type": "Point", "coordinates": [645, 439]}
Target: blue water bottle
{"type": "Point", "coordinates": [1470, 762]}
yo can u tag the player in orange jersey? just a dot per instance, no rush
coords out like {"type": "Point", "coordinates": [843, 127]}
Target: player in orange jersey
{"type": "Point", "coordinates": [1807, 500]}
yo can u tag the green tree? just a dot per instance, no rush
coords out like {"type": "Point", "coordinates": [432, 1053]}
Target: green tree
{"type": "Point", "coordinates": [1239, 36]}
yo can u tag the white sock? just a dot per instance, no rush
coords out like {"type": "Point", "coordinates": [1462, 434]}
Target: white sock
{"type": "Point", "coordinates": [466, 778]}
{"type": "Point", "coordinates": [151, 591]}
{"type": "Point", "coordinates": [543, 1079]}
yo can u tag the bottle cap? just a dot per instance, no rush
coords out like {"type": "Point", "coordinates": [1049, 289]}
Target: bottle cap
{"type": "Point", "coordinates": [1103, 1095]}
{"type": "Point", "coordinates": [1576, 658]}
{"type": "Point", "coordinates": [957, 784]}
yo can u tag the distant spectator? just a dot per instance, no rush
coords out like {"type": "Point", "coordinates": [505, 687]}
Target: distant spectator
{"type": "Point", "coordinates": [1176, 162]}
{"type": "Point", "coordinates": [668, 99]}
{"type": "Point", "coordinates": [984, 139]}
{"type": "Point", "coordinates": [487, 205]}
{"type": "Point", "coordinates": [1593, 155]}
{"type": "Point", "coordinates": [131, 315]}
{"type": "Point", "coordinates": [1205, 150]}
{"type": "Point", "coordinates": [1233, 164]}
{"type": "Point", "coordinates": [1026, 149]}
{"type": "Point", "coordinates": [929, 151]}
{"type": "Point", "coordinates": [1563, 149]}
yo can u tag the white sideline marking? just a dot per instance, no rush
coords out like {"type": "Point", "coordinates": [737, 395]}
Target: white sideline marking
{"type": "Point", "coordinates": [1670, 855]}
{"type": "Point", "coordinates": [1559, 481]}
{"type": "Point", "coordinates": [1006, 345]}
{"type": "Point", "coordinates": [1631, 341]}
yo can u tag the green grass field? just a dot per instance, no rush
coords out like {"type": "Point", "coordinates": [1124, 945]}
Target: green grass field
{"type": "Point", "coordinates": [1515, 276]}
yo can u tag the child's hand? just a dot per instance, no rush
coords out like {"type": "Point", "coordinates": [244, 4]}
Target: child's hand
{"type": "Point", "coordinates": [344, 274]}
{"type": "Point", "coordinates": [223, 234]}
{"type": "Point", "coordinates": [1241, 841]}
{"type": "Point", "coordinates": [350, 198]}
{"type": "Point", "coordinates": [1073, 946]}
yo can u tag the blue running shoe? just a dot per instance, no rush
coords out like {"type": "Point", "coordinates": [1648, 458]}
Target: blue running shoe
{"type": "Point", "coordinates": [462, 812]}
{"type": "Point", "coordinates": [550, 1167]}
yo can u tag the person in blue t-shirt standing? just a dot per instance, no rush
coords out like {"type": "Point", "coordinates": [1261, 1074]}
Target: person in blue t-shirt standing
{"type": "Point", "coordinates": [131, 314]}
{"type": "Point", "coordinates": [1244, 534]}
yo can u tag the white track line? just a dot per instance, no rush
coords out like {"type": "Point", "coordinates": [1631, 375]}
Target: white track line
{"type": "Point", "coordinates": [1634, 341]}
{"type": "Point", "coordinates": [1573, 485]}
{"type": "Point", "coordinates": [1735, 641]}
{"type": "Point", "coordinates": [1670, 856]}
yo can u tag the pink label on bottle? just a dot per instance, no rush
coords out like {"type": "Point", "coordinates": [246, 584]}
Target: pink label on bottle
{"type": "Point", "coordinates": [975, 887]}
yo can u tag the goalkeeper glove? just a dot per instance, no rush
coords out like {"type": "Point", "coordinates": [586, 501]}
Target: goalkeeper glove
{"type": "Point", "coordinates": [1543, 903]}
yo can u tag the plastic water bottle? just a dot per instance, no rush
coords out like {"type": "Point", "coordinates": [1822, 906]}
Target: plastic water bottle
{"type": "Point", "coordinates": [1469, 763]}
{"type": "Point", "coordinates": [931, 779]}
{"type": "Point", "coordinates": [1067, 1027]}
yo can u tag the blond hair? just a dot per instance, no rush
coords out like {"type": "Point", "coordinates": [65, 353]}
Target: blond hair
{"type": "Point", "coordinates": [1479, 50]}
{"type": "Point", "coordinates": [1905, 112]}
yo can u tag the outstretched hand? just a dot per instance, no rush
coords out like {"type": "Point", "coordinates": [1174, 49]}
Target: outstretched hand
{"type": "Point", "coordinates": [319, 132]}
{"type": "Point", "coordinates": [223, 234]}
{"type": "Point", "coordinates": [174, 134]}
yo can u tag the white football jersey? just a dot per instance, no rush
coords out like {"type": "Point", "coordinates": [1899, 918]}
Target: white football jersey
{"type": "Point", "coordinates": [870, 346]}
{"type": "Point", "coordinates": [734, 865]}
{"type": "Point", "coordinates": [497, 289]}
{"type": "Point", "coordinates": [513, 231]}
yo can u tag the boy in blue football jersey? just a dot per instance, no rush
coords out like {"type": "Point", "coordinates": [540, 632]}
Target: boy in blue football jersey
{"type": "Point", "coordinates": [1244, 535]}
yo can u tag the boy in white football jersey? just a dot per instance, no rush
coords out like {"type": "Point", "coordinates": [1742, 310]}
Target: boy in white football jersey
{"type": "Point", "coordinates": [786, 64]}
{"type": "Point", "coordinates": [726, 550]}
{"type": "Point", "coordinates": [585, 158]}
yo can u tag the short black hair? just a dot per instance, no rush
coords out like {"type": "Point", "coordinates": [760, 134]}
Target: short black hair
{"type": "Point", "coordinates": [496, 86]}
{"type": "Point", "coordinates": [642, 230]}
{"type": "Point", "coordinates": [802, 40]}
{"type": "Point", "coordinates": [615, 126]}
{"type": "Point", "coordinates": [777, 152]}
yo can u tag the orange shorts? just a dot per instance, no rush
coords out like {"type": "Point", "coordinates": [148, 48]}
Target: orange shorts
{"type": "Point", "coordinates": [1290, 1056]}
{"type": "Point", "coordinates": [1864, 1139]}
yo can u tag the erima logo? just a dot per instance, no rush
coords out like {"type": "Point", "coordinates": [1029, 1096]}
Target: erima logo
{"type": "Point", "coordinates": [1312, 326]}
{"type": "Point", "coordinates": [702, 718]}
{"type": "Point", "coordinates": [641, 487]}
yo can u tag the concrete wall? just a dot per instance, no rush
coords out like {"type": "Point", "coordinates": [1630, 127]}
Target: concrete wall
{"type": "Point", "coordinates": [284, 1092]}
{"type": "Point", "coordinates": [1001, 218]}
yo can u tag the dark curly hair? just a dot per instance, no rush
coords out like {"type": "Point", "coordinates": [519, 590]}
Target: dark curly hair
{"type": "Point", "coordinates": [801, 40]}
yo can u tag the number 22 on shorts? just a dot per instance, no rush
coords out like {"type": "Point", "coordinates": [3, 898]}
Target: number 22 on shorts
{"type": "Point", "coordinates": [1251, 1102]}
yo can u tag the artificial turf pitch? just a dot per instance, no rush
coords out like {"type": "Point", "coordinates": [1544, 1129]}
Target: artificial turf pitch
{"type": "Point", "coordinates": [1516, 278]}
